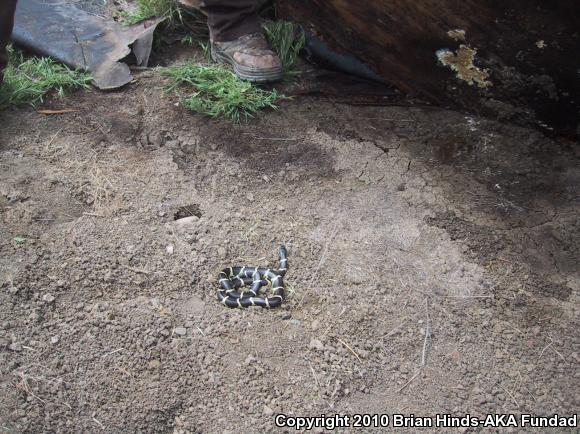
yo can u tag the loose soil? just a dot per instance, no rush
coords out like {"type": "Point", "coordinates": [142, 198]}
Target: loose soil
{"type": "Point", "coordinates": [433, 265]}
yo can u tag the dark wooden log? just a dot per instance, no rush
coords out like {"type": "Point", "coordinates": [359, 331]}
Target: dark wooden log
{"type": "Point", "coordinates": [516, 59]}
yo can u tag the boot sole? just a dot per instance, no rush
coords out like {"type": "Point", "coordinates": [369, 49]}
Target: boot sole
{"type": "Point", "coordinates": [247, 73]}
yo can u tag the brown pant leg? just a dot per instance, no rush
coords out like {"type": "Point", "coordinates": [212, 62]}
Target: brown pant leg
{"type": "Point", "coordinates": [229, 19]}
{"type": "Point", "coordinates": [6, 22]}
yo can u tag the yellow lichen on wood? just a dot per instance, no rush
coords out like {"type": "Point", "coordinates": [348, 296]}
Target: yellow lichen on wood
{"type": "Point", "coordinates": [462, 63]}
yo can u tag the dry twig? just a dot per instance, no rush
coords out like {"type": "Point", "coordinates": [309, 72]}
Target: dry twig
{"type": "Point", "coordinates": [349, 348]}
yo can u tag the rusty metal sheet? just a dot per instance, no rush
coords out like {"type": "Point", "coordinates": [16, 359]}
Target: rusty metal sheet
{"type": "Point", "coordinates": [83, 40]}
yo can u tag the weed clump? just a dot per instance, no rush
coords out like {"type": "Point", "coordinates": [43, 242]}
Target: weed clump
{"type": "Point", "coordinates": [153, 8]}
{"type": "Point", "coordinates": [286, 39]}
{"type": "Point", "coordinates": [27, 81]}
{"type": "Point", "coordinates": [216, 91]}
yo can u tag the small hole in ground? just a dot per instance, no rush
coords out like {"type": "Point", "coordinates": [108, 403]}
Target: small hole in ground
{"type": "Point", "coordinates": [187, 211]}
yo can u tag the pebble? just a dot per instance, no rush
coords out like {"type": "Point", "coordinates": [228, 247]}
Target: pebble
{"type": "Point", "coordinates": [222, 252]}
{"type": "Point", "coordinates": [315, 325]}
{"type": "Point", "coordinates": [293, 176]}
{"type": "Point", "coordinates": [316, 344]}
{"type": "Point", "coordinates": [285, 315]}
{"type": "Point", "coordinates": [185, 221]}
{"type": "Point", "coordinates": [169, 249]}
{"type": "Point", "coordinates": [48, 298]}
{"type": "Point", "coordinates": [15, 346]}
{"type": "Point", "coordinates": [54, 340]}
{"type": "Point", "coordinates": [180, 331]}
{"type": "Point", "coordinates": [267, 411]}
{"type": "Point", "coordinates": [480, 400]}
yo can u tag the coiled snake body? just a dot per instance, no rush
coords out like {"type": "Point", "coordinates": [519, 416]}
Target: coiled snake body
{"type": "Point", "coordinates": [233, 278]}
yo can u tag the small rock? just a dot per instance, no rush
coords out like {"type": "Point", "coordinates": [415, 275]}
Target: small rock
{"type": "Point", "coordinates": [267, 411]}
{"type": "Point", "coordinates": [169, 249]}
{"type": "Point", "coordinates": [480, 400]}
{"type": "Point", "coordinates": [153, 364]}
{"type": "Point", "coordinates": [186, 221]}
{"type": "Point", "coordinates": [293, 176]}
{"type": "Point", "coordinates": [315, 325]}
{"type": "Point", "coordinates": [157, 138]}
{"type": "Point", "coordinates": [108, 277]}
{"type": "Point", "coordinates": [54, 340]}
{"type": "Point", "coordinates": [316, 345]}
{"type": "Point", "coordinates": [48, 298]}
{"type": "Point", "coordinates": [280, 208]}
{"type": "Point", "coordinates": [180, 331]}
{"type": "Point", "coordinates": [285, 315]}
{"type": "Point", "coordinates": [222, 252]}
{"type": "Point", "coordinates": [15, 346]}
{"type": "Point", "coordinates": [250, 360]}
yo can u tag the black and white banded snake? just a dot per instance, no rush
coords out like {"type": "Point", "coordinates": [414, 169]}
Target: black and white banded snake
{"type": "Point", "coordinates": [233, 278]}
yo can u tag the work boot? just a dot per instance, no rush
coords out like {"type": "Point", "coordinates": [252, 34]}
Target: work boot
{"type": "Point", "coordinates": [251, 58]}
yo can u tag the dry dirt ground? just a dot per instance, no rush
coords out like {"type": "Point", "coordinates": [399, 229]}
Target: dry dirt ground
{"type": "Point", "coordinates": [433, 265]}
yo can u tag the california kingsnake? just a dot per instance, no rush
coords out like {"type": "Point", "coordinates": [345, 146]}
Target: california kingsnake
{"type": "Point", "coordinates": [232, 278]}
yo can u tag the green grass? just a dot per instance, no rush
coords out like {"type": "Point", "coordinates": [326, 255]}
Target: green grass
{"type": "Point", "coordinates": [187, 40]}
{"type": "Point", "coordinates": [206, 50]}
{"type": "Point", "coordinates": [216, 91]}
{"type": "Point", "coordinates": [153, 8]}
{"type": "Point", "coordinates": [176, 17]}
{"type": "Point", "coordinates": [27, 81]}
{"type": "Point", "coordinates": [286, 39]}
